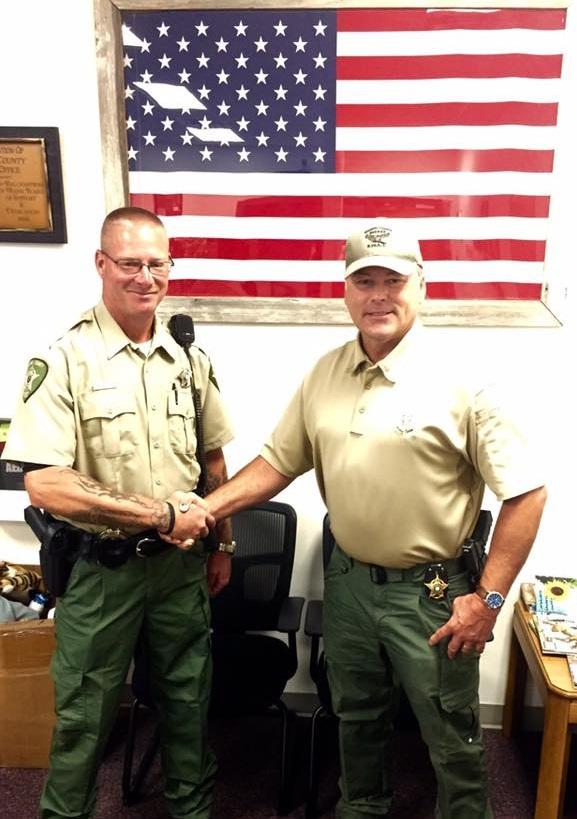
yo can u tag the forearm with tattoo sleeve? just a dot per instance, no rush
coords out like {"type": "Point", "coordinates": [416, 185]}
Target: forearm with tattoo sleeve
{"type": "Point", "coordinates": [218, 566]}
{"type": "Point", "coordinates": [216, 475]}
{"type": "Point", "coordinates": [65, 491]}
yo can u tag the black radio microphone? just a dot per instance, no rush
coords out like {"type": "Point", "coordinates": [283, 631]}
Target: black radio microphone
{"type": "Point", "coordinates": [181, 328]}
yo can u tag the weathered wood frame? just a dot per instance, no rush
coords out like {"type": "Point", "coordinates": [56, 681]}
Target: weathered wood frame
{"type": "Point", "coordinates": [107, 18]}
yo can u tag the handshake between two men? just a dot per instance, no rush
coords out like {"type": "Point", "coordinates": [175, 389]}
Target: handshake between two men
{"type": "Point", "coordinates": [185, 520]}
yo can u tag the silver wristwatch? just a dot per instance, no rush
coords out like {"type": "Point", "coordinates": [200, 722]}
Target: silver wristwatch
{"type": "Point", "coordinates": [227, 548]}
{"type": "Point", "coordinates": [492, 599]}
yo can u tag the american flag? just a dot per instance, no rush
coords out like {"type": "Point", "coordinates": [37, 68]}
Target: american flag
{"type": "Point", "coordinates": [263, 138]}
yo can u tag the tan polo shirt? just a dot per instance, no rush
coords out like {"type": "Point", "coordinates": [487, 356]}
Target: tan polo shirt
{"type": "Point", "coordinates": [402, 450]}
{"type": "Point", "coordinates": [109, 411]}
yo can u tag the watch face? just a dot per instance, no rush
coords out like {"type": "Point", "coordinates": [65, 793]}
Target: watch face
{"type": "Point", "coordinates": [494, 600]}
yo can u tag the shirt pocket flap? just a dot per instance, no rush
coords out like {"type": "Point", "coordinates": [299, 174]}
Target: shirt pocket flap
{"type": "Point", "coordinates": [105, 404]}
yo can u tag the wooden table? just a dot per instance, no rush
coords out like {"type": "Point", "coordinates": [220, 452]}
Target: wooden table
{"type": "Point", "coordinates": [551, 676]}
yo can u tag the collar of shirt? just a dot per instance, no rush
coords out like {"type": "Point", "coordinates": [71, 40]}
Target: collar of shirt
{"type": "Point", "coordinates": [396, 362]}
{"type": "Point", "coordinates": [115, 339]}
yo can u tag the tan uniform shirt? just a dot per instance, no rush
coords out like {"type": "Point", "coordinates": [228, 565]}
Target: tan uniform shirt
{"type": "Point", "coordinates": [110, 412]}
{"type": "Point", "coordinates": [402, 450]}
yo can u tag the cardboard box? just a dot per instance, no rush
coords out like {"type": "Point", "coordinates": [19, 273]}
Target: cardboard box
{"type": "Point", "coordinates": [26, 693]}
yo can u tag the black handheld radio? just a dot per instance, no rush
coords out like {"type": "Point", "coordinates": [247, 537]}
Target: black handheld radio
{"type": "Point", "coordinates": [181, 328]}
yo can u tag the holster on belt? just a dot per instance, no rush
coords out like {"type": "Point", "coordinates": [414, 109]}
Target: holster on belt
{"type": "Point", "coordinates": [59, 548]}
{"type": "Point", "coordinates": [473, 550]}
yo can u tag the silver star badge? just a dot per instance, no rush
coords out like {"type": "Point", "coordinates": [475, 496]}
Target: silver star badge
{"type": "Point", "coordinates": [185, 379]}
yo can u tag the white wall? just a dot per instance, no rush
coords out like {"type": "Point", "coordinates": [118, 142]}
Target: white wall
{"type": "Point", "coordinates": [49, 79]}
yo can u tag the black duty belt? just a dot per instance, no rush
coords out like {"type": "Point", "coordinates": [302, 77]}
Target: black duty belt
{"type": "Point", "coordinates": [113, 552]}
{"type": "Point", "coordinates": [415, 574]}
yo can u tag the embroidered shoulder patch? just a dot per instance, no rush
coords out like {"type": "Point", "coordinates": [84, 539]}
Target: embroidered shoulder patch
{"type": "Point", "coordinates": [35, 375]}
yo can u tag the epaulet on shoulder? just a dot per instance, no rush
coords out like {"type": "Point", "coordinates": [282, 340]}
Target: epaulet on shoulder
{"type": "Point", "coordinates": [87, 316]}
{"type": "Point", "coordinates": [200, 350]}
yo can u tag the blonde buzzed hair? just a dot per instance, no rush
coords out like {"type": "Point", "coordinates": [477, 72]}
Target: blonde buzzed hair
{"type": "Point", "coordinates": [127, 214]}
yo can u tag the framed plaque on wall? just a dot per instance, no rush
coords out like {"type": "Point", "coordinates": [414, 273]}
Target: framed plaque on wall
{"type": "Point", "coordinates": [31, 191]}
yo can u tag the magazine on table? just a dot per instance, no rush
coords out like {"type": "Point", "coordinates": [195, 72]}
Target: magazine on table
{"type": "Point", "coordinates": [557, 634]}
{"type": "Point", "coordinates": [555, 616]}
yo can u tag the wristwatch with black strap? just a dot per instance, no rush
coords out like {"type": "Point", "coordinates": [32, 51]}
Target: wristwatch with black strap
{"type": "Point", "coordinates": [492, 599]}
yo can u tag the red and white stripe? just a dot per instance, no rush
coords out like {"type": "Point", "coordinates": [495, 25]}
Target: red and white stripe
{"type": "Point", "coordinates": [446, 121]}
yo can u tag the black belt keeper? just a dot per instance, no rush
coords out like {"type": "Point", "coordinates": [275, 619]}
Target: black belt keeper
{"type": "Point", "coordinates": [378, 575]}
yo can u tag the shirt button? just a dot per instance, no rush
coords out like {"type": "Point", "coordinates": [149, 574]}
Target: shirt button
{"type": "Point", "coordinates": [362, 409]}
{"type": "Point", "coordinates": [156, 445]}
{"type": "Point", "coordinates": [157, 481]}
{"type": "Point", "coordinates": [153, 407]}
{"type": "Point", "coordinates": [368, 386]}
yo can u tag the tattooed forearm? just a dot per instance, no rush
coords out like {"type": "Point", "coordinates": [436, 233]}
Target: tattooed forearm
{"type": "Point", "coordinates": [98, 504]}
{"type": "Point", "coordinates": [94, 488]}
{"type": "Point", "coordinates": [159, 516]}
{"type": "Point", "coordinates": [216, 476]}
{"type": "Point", "coordinates": [224, 530]}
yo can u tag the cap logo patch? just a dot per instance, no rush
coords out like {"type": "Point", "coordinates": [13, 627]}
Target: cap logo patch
{"type": "Point", "coordinates": [377, 236]}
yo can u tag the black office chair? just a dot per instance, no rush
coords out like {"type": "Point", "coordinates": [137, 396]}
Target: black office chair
{"type": "Point", "coordinates": [318, 672]}
{"type": "Point", "coordinates": [250, 669]}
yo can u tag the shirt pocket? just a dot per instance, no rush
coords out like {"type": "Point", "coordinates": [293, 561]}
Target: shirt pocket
{"type": "Point", "coordinates": [181, 421]}
{"type": "Point", "coordinates": [108, 419]}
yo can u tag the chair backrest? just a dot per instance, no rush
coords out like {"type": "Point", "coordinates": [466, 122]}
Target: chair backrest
{"type": "Point", "coordinates": [262, 567]}
{"type": "Point", "coordinates": [328, 541]}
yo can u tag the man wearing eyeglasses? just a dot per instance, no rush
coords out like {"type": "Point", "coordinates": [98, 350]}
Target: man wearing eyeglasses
{"type": "Point", "coordinates": [106, 432]}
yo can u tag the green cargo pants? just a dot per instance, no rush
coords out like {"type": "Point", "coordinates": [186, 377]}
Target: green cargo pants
{"type": "Point", "coordinates": [376, 636]}
{"type": "Point", "coordinates": [98, 621]}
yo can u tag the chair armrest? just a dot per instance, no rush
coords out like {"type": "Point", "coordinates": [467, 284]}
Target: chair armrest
{"type": "Point", "coordinates": [314, 618]}
{"type": "Point", "coordinates": [289, 619]}
{"type": "Point", "coordinates": [314, 629]}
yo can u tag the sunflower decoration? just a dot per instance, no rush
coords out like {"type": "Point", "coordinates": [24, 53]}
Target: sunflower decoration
{"type": "Point", "coordinates": [557, 589]}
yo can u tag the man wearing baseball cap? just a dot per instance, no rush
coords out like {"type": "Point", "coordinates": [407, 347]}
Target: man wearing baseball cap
{"type": "Point", "coordinates": [403, 444]}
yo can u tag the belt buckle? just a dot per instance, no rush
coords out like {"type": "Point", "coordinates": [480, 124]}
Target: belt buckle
{"type": "Point", "coordinates": [111, 534]}
{"type": "Point", "coordinates": [436, 581]}
{"type": "Point", "coordinates": [138, 550]}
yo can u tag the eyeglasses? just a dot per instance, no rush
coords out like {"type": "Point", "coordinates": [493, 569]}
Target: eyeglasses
{"type": "Point", "coordinates": [132, 267]}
